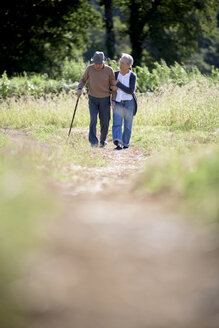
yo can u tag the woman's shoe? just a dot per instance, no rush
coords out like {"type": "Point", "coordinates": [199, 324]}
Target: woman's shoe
{"type": "Point", "coordinates": [118, 148]}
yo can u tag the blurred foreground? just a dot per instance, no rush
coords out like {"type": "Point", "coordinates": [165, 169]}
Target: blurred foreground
{"type": "Point", "coordinates": [123, 263]}
{"type": "Point", "coordinates": [90, 253]}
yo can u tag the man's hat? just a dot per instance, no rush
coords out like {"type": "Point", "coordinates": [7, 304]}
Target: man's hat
{"type": "Point", "coordinates": [98, 57]}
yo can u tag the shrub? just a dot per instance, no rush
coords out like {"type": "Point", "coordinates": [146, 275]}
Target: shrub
{"type": "Point", "coordinates": [72, 70]}
{"type": "Point", "coordinates": [163, 75]}
{"type": "Point", "coordinates": [158, 79]}
{"type": "Point", "coordinates": [35, 85]}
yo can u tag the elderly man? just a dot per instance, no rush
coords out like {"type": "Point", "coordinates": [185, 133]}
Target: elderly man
{"type": "Point", "coordinates": [101, 79]}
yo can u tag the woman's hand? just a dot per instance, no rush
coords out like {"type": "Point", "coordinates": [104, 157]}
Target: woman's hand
{"type": "Point", "coordinates": [114, 88]}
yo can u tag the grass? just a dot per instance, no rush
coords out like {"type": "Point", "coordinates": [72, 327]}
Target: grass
{"type": "Point", "coordinates": [75, 149]}
{"type": "Point", "coordinates": [190, 178]}
{"type": "Point", "coordinates": [193, 106]}
{"type": "Point", "coordinates": [172, 118]}
{"type": "Point", "coordinates": [3, 140]}
{"type": "Point", "coordinates": [27, 204]}
{"type": "Point", "coordinates": [48, 121]}
{"type": "Point", "coordinates": [190, 107]}
{"type": "Point", "coordinates": [158, 138]}
{"type": "Point", "coordinates": [31, 113]}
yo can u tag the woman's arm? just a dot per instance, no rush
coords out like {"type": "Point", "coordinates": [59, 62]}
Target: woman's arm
{"type": "Point", "coordinates": [131, 88]}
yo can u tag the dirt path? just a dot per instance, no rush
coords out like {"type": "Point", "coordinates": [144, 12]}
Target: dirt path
{"type": "Point", "coordinates": [113, 179]}
{"type": "Point", "coordinates": [114, 260]}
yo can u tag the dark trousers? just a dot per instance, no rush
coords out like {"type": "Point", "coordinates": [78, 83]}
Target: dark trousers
{"type": "Point", "coordinates": [101, 106]}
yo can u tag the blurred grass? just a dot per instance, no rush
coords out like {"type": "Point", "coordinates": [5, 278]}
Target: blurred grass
{"type": "Point", "coordinates": [3, 139]}
{"type": "Point", "coordinates": [27, 205]}
{"type": "Point", "coordinates": [159, 138]}
{"type": "Point", "coordinates": [189, 178]}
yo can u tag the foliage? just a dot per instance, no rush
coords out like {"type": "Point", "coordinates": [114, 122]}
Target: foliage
{"type": "Point", "coordinates": [147, 81]}
{"type": "Point", "coordinates": [113, 63]}
{"type": "Point", "coordinates": [162, 75]}
{"type": "Point", "coordinates": [33, 85]}
{"type": "Point", "coordinates": [72, 70]}
{"type": "Point", "coordinates": [37, 35]}
{"type": "Point", "coordinates": [167, 29]}
{"type": "Point", "coordinates": [208, 52]}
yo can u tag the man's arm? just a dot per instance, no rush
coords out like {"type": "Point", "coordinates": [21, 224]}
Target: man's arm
{"type": "Point", "coordinates": [112, 79]}
{"type": "Point", "coordinates": [113, 85]}
{"type": "Point", "coordinates": [82, 82]}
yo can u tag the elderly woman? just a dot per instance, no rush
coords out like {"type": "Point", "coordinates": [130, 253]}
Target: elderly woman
{"type": "Point", "coordinates": [124, 103]}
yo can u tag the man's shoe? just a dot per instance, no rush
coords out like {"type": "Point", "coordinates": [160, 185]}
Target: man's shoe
{"type": "Point", "coordinates": [103, 144]}
{"type": "Point", "coordinates": [94, 145]}
{"type": "Point", "coordinates": [125, 147]}
{"type": "Point", "coordinates": [118, 148]}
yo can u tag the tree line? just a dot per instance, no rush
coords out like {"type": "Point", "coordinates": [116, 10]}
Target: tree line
{"type": "Point", "coordinates": [37, 35]}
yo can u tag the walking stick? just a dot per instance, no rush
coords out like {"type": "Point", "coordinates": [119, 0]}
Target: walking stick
{"type": "Point", "coordinates": [73, 117]}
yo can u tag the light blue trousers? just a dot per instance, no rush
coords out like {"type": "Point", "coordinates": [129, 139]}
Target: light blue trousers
{"type": "Point", "coordinates": [123, 113]}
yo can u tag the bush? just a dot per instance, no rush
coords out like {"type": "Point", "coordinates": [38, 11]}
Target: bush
{"type": "Point", "coordinates": [35, 85]}
{"type": "Point", "coordinates": [163, 75]}
{"type": "Point", "coordinates": [72, 70]}
{"type": "Point", "coordinates": [215, 74]}
{"type": "Point", "coordinates": [41, 85]}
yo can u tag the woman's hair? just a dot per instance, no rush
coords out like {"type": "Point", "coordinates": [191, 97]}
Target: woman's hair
{"type": "Point", "coordinates": [128, 58]}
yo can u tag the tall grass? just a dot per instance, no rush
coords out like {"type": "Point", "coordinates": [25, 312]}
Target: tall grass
{"type": "Point", "coordinates": [31, 113]}
{"type": "Point", "coordinates": [176, 117]}
{"type": "Point", "coordinates": [193, 106]}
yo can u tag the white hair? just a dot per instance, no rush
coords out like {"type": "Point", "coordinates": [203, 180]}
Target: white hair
{"type": "Point", "coordinates": [128, 58]}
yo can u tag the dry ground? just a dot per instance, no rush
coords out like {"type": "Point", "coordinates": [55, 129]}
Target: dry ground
{"type": "Point", "coordinates": [115, 260]}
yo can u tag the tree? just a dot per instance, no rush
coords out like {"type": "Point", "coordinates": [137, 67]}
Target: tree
{"type": "Point", "coordinates": [167, 29]}
{"type": "Point", "coordinates": [36, 35]}
{"type": "Point", "coordinates": [110, 37]}
{"type": "Point", "coordinates": [208, 52]}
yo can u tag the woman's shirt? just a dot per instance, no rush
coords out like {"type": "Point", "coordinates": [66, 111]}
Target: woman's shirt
{"type": "Point", "coordinates": [121, 95]}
